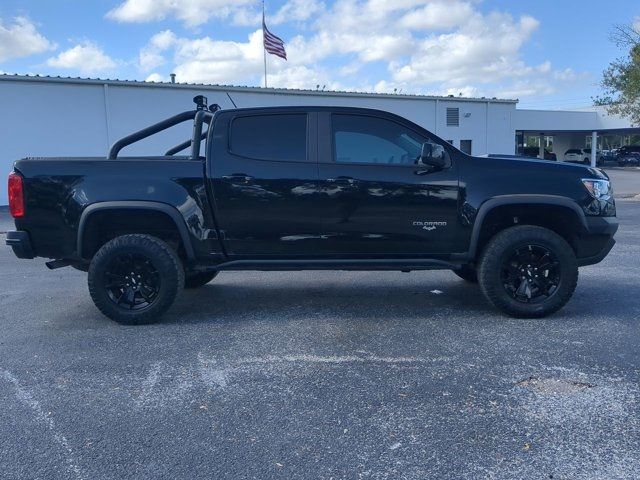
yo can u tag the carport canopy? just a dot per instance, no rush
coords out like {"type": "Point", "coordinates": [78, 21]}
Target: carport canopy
{"type": "Point", "coordinates": [564, 140]}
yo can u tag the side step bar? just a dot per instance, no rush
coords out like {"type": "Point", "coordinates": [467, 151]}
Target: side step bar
{"type": "Point", "coordinates": [352, 264]}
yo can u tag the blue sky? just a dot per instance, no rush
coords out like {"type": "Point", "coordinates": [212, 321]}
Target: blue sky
{"type": "Point", "coordinates": [548, 54]}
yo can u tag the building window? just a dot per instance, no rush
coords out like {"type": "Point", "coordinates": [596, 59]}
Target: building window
{"type": "Point", "coordinates": [465, 146]}
{"type": "Point", "coordinates": [453, 117]}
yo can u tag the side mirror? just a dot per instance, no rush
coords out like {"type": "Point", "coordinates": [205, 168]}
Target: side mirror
{"type": "Point", "coordinates": [434, 155]}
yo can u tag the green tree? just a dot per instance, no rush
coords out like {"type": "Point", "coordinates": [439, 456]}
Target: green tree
{"type": "Point", "coordinates": [621, 80]}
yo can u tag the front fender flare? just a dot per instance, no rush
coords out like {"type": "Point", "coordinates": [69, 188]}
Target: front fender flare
{"type": "Point", "coordinates": [525, 199]}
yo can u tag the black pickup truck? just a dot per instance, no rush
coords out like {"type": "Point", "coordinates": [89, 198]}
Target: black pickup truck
{"type": "Point", "coordinates": [309, 188]}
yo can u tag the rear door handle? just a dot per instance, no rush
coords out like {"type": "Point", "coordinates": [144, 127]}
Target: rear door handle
{"type": "Point", "coordinates": [237, 178]}
{"type": "Point", "coordinates": [342, 180]}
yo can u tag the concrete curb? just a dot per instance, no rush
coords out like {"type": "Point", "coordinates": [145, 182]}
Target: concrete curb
{"type": "Point", "coordinates": [628, 196]}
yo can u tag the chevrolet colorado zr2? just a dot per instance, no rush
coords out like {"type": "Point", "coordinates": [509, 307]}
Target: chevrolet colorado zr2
{"type": "Point", "coordinates": [309, 188]}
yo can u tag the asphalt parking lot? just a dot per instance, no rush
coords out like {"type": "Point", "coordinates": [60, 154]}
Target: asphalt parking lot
{"type": "Point", "coordinates": [320, 375]}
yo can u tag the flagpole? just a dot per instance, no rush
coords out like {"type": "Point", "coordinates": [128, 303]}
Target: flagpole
{"type": "Point", "coordinates": [264, 50]}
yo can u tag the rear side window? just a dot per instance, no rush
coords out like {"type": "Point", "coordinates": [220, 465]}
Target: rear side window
{"type": "Point", "coordinates": [270, 137]}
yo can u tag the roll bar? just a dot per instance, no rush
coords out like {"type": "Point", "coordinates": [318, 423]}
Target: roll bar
{"type": "Point", "coordinates": [202, 114]}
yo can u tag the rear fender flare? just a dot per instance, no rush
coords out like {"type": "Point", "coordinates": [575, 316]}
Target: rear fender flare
{"type": "Point", "coordinates": [172, 212]}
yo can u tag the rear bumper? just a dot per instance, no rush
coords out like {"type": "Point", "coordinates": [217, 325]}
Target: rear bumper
{"type": "Point", "coordinates": [20, 243]}
{"type": "Point", "coordinates": [598, 240]}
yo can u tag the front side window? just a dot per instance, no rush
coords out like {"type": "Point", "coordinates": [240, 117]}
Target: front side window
{"type": "Point", "coordinates": [363, 139]}
{"type": "Point", "coordinates": [270, 137]}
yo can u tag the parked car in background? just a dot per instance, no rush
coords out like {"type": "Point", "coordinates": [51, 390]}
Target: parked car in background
{"type": "Point", "coordinates": [582, 155]}
{"type": "Point", "coordinates": [587, 156]}
{"type": "Point", "coordinates": [631, 158]}
{"type": "Point", "coordinates": [534, 152]}
{"type": "Point", "coordinates": [573, 155]}
{"type": "Point", "coordinates": [608, 156]}
{"type": "Point", "coordinates": [628, 155]}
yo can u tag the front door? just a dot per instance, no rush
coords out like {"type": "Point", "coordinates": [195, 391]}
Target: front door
{"type": "Point", "coordinates": [264, 179]}
{"type": "Point", "coordinates": [379, 200]}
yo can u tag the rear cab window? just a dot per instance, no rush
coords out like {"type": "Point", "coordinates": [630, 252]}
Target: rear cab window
{"type": "Point", "coordinates": [272, 137]}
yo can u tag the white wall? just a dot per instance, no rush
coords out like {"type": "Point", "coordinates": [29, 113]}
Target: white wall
{"type": "Point", "coordinates": [66, 117]}
{"type": "Point", "coordinates": [548, 120]}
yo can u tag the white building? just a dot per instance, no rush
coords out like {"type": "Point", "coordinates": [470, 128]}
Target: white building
{"type": "Point", "coordinates": [51, 116]}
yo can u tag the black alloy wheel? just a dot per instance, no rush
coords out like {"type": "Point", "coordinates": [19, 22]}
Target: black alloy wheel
{"type": "Point", "coordinates": [131, 281]}
{"type": "Point", "coordinates": [528, 271]}
{"type": "Point", "coordinates": [531, 274]}
{"type": "Point", "coordinates": [135, 278]}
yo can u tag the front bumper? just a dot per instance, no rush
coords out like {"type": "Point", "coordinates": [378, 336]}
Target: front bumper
{"type": "Point", "coordinates": [20, 243]}
{"type": "Point", "coordinates": [598, 240]}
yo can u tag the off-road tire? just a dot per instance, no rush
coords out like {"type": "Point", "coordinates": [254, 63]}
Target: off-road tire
{"type": "Point", "coordinates": [467, 273]}
{"type": "Point", "coordinates": [163, 259]}
{"type": "Point", "coordinates": [503, 245]}
{"type": "Point", "coordinates": [200, 279]}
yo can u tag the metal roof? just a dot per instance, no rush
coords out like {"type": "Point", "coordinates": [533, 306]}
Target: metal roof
{"type": "Point", "coordinates": [237, 88]}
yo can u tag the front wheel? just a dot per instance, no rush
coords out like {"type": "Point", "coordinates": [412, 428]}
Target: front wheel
{"type": "Point", "coordinates": [528, 271]}
{"type": "Point", "coordinates": [134, 279]}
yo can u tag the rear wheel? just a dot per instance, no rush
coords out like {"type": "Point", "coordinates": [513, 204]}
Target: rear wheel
{"type": "Point", "coordinates": [528, 271]}
{"type": "Point", "coordinates": [195, 280]}
{"type": "Point", "coordinates": [467, 273]}
{"type": "Point", "coordinates": [134, 279]}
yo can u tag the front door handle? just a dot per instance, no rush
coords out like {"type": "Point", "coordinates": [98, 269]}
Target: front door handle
{"type": "Point", "coordinates": [237, 178]}
{"type": "Point", "coordinates": [342, 180]}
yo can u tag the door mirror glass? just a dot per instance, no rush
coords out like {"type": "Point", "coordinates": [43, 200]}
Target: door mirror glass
{"type": "Point", "coordinates": [434, 155]}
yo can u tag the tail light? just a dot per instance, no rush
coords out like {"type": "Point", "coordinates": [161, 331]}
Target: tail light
{"type": "Point", "coordinates": [16, 195]}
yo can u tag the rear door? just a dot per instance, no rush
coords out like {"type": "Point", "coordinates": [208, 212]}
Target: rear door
{"type": "Point", "coordinates": [264, 177]}
{"type": "Point", "coordinates": [377, 200]}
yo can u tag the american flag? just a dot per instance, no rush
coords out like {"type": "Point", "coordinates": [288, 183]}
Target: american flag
{"type": "Point", "coordinates": [272, 43]}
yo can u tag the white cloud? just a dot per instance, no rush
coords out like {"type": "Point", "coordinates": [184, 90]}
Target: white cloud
{"type": "Point", "coordinates": [20, 38]}
{"type": "Point", "coordinates": [217, 61]}
{"type": "Point", "coordinates": [303, 78]}
{"type": "Point", "coordinates": [465, 91]}
{"type": "Point", "coordinates": [151, 55]}
{"type": "Point", "coordinates": [191, 12]}
{"type": "Point", "coordinates": [437, 15]}
{"type": "Point", "coordinates": [636, 25]}
{"type": "Point", "coordinates": [155, 77]}
{"type": "Point", "coordinates": [297, 11]}
{"type": "Point", "coordinates": [485, 49]}
{"type": "Point", "coordinates": [425, 46]}
{"type": "Point", "coordinates": [86, 57]}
